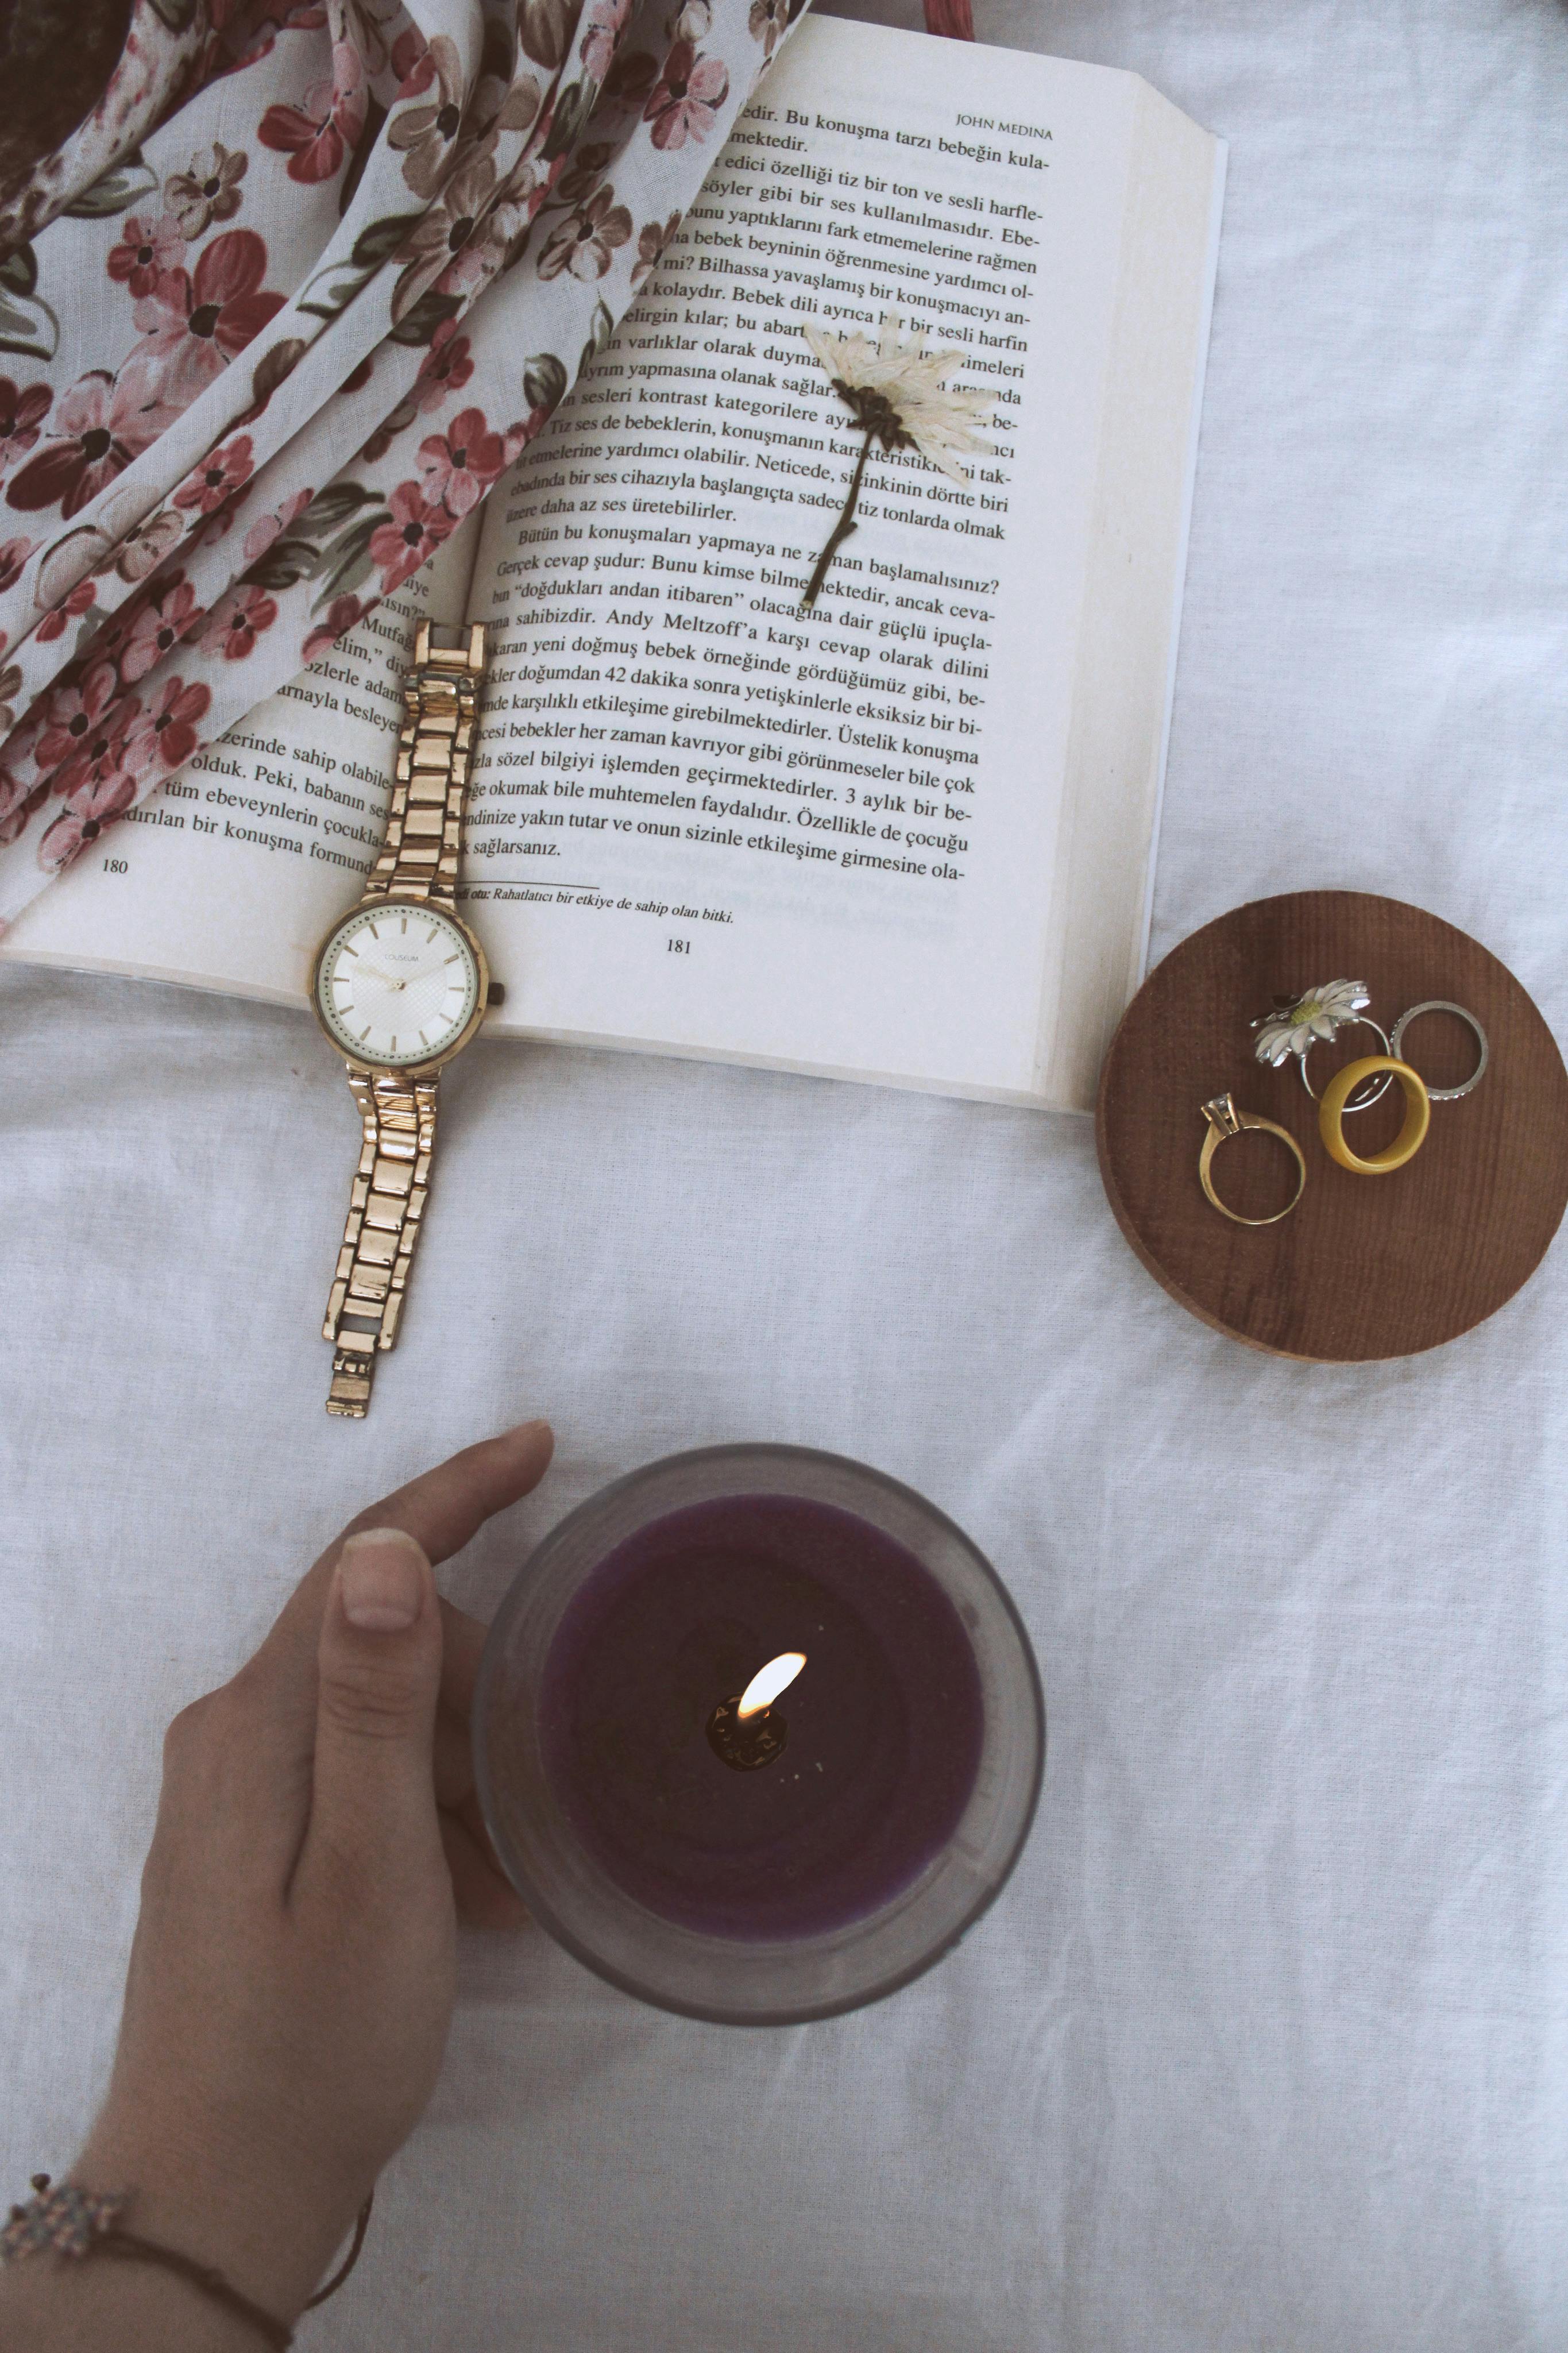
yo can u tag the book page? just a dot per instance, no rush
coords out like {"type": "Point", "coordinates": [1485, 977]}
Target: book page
{"type": "Point", "coordinates": [704, 819]}
{"type": "Point", "coordinates": [230, 874]}
{"type": "Point", "coordinates": [1097, 938]}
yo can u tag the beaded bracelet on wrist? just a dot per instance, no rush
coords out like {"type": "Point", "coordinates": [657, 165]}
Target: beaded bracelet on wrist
{"type": "Point", "coordinates": [75, 2224]}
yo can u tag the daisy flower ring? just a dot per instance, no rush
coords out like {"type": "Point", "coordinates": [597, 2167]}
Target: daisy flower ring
{"type": "Point", "coordinates": [1315, 1018]}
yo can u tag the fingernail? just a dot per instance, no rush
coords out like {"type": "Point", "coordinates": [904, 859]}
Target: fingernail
{"type": "Point", "coordinates": [381, 1579]}
{"type": "Point", "coordinates": [535, 1428]}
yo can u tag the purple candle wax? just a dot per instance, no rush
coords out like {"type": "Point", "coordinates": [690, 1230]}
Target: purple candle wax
{"type": "Point", "coordinates": [885, 1723]}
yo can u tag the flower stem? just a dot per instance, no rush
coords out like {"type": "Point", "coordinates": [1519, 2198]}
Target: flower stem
{"type": "Point", "coordinates": [841, 530]}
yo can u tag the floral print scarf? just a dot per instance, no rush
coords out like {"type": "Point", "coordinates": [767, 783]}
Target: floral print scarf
{"type": "Point", "coordinates": [278, 315]}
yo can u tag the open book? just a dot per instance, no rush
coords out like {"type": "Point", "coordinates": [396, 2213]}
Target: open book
{"type": "Point", "coordinates": [905, 836]}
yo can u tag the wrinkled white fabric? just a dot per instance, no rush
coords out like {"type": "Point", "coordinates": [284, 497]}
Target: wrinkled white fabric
{"type": "Point", "coordinates": [1267, 2046]}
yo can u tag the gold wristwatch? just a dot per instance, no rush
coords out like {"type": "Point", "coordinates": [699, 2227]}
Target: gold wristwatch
{"type": "Point", "coordinates": [400, 986]}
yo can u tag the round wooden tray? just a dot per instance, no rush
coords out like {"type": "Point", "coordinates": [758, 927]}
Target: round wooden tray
{"type": "Point", "coordinates": [1365, 1266]}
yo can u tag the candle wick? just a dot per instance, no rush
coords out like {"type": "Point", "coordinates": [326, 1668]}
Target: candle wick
{"type": "Point", "coordinates": [746, 1743]}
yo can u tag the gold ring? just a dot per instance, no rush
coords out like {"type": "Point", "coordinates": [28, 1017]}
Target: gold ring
{"type": "Point", "coordinates": [1411, 1137]}
{"type": "Point", "coordinates": [1225, 1121]}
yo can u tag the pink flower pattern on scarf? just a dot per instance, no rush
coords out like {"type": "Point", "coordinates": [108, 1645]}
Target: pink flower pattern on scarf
{"type": "Point", "coordinates": [278, 316]}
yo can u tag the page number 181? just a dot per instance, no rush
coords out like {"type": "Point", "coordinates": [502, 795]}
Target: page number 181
{"type": "Point", "coordinates": [679, 947]}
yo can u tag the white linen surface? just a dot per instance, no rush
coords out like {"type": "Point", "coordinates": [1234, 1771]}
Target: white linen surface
{"type": "Point", "coordinates": [1267, 2045]}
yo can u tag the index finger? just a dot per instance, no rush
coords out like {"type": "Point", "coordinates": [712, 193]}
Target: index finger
{"type": "Point", "coordinates": [441, 1510]}
{"type": "Point", "coordinates": [444, 1507]}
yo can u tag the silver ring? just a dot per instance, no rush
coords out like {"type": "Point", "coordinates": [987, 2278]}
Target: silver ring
{"type": "Point", "coordinates": [1442, 1005]}
{"type": "Point", "coordinates": [1377, 1088]}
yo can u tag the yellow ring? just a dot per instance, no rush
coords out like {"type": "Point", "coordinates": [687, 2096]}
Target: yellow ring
{"type": "Point", "coordinates": [1411, 1137]}
{"type": "Point", "coordinates": [1218, 1134]}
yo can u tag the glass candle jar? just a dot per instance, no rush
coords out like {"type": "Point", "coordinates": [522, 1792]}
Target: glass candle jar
{"type": "Point", "coordinates": [834, 1846]}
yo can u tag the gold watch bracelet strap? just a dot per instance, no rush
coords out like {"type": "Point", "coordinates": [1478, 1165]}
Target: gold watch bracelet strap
{"type": "Point", "coordinates": [418, 861]}
{"type": "Point", "coordinates": [419, 857]}
{"type": "Point", "coordinates": [390, 1190]}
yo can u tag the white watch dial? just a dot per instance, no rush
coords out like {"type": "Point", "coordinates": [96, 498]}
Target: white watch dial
{"type": "Point", "coordinates": [397, 984]}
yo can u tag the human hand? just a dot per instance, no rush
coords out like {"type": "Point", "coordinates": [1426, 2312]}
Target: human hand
{"type": "Point", "coordinates": [318, 1837]}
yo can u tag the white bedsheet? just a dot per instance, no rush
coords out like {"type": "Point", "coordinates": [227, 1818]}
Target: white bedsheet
{"type": "Point", "coordinates": [1267, 2046]}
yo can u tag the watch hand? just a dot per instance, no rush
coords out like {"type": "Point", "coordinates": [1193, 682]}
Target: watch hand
{"type": "Point", "coordinates": [374, 972]}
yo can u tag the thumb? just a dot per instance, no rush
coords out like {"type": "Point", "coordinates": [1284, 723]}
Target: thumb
{"type": "Point", "coordinates": [379, 1673]}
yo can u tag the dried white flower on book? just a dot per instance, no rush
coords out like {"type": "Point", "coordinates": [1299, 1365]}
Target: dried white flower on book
{"type": "Point", "coordinates": [899, 394]}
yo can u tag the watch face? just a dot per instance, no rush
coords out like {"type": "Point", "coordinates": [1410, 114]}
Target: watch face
{"type": "Point", "coordinates": [397, 985]}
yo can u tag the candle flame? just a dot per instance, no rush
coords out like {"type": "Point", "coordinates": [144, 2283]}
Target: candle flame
{"type": "Point", "coordinates": [768, 1682]}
